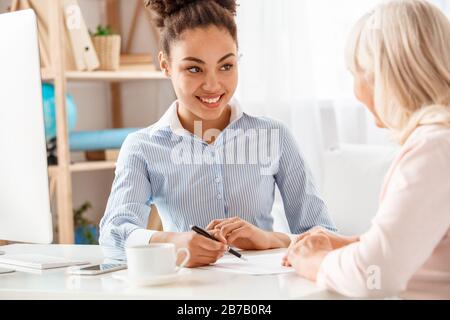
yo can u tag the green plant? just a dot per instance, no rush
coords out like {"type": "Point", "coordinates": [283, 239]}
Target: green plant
{"type": "Point", "coordinates": [86, 231]}
{"type": "Point", "coordinates": [79, 220]}
{"type": "Point", "coordinates": [103, 31]}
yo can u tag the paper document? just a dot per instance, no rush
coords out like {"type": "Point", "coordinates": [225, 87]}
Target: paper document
{"type": "Point", "coordinates": [260, 264]}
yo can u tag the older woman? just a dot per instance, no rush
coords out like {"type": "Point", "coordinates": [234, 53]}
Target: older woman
{"type": "Point", "coordinates": [399, 55]}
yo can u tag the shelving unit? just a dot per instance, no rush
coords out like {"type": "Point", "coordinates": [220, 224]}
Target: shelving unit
{"type": "Point", "coordinates": [127, 73]}
{"type": "Point", "coordinates": [61, 175]}
{"type": "Point", "coordinates": [137, 72]}
{"type": "Point", "coordinates": [84, 167]}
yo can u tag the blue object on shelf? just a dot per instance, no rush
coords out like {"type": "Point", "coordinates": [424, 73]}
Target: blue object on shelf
{"type": "Point", "coordinates": [86, 235]}
{"type": "Point", "coordinates": [48, 101]}
{"type": "Point", "coordinates": [99, 140]}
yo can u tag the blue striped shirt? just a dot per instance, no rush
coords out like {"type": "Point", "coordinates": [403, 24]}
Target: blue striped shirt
{"type": "Point", "coordinates": [192, 182]}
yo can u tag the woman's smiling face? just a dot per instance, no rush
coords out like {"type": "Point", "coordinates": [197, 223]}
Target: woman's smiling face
{"type": "Point", "coordinates": [203, 70]}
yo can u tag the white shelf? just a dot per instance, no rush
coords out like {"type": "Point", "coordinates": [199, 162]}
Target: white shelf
{"type": "Point", "coordinates": [125, 73]}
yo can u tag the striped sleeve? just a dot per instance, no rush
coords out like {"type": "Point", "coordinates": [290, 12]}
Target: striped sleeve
{"type": "Point", "coordinates": [125, 220]}
{"type": "Point", "coordinates": [303, 206]}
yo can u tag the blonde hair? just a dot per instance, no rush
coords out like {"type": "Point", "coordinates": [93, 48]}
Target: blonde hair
{"type": "Point", "coordinates": [402, 49]}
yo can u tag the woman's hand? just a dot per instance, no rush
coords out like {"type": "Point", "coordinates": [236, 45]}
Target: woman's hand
{"type": "Point", "coordinates": [307, 255]}
{"type": "Point", "coordinates": [337, 241]}
{"type": "Point", "coordinates": [244, 235]}
{"type": "Point", "coordinates": [203, 251]}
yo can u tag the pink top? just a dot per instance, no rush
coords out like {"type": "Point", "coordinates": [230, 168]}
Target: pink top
{"type": "Point", "coordinates": [406, 252]}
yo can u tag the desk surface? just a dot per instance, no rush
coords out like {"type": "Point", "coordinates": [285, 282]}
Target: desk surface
{"type": "Point", "coordinates": [198, 285]}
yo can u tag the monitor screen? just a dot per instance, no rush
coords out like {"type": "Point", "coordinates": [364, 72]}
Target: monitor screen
{"type": "Point", "coordinates": [24, 198]}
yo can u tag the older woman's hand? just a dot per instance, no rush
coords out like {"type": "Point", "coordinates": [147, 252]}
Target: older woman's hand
{"type": "Point", "coordinates": [307, 255]}
{"type": "Point", "coordinates": [337, 241]}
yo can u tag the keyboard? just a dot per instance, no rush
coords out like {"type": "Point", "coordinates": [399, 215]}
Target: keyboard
{"type": "Point", "coordinates": [38, 261]}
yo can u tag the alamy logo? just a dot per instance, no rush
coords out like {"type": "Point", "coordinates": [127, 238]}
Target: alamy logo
{"type": "Point", "coordinates": [260, 147]}
{"type": "Point", "coordinates": [73, 17]}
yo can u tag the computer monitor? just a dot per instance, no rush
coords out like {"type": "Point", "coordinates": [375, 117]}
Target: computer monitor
{"type": "Point", "coordinates": [24, 193]}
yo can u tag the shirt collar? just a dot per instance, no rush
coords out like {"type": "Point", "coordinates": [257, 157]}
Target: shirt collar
{"type": "Point", "coordinates": [170, 118]}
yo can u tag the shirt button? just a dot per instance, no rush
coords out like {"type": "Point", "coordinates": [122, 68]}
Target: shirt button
{"type": "Point", "coordinates": [219, 197]}
{"type": "Point", "coordinates": [217, 179]}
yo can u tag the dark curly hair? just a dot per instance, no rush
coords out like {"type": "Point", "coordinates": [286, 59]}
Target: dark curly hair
{"type": "Point", "coordinates": [175, 16]}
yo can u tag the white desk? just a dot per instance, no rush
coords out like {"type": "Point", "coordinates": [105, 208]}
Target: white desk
{"type": "Point", "coordinates": [199, 285]}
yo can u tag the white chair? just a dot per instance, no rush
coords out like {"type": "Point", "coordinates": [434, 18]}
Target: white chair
{"type": "Point", "coordinates": [353, 175]}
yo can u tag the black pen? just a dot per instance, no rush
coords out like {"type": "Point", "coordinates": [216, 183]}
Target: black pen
{"type": "Point", "coordinates": [207, 235]}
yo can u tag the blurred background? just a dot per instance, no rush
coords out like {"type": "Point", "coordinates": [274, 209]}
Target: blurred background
{"type": "Point", "coordinates": [292, 68]}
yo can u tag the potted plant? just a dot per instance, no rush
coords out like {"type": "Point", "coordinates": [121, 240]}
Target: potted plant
{"type": "Point", "coordinates": [85, 231]}
{"type": "Point", "coordinates": [107, 46]}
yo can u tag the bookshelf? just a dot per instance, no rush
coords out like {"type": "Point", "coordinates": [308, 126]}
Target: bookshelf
{"type": "Point", "coordinates": [128, 73]}
{"type": "Point", "coordinates": [84, 167]}
{"type": "Point", "coordinates": [47, 74]}
{"type": "Point", "coordinates": [61, 175]}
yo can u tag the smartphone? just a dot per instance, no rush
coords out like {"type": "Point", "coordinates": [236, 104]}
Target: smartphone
{"type": "Point", "coordinates": [95, 269]}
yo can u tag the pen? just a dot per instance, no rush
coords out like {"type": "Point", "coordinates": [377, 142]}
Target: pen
{"type": "Point", "coordinates": [207, 235]}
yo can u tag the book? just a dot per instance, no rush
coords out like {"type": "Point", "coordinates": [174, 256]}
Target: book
{"type": "Point", "coordinates": [83, 50]}
{"type": "Point", "coordinates": [42, 26]}
{"type": "Point", "coordinates": [41, 9]}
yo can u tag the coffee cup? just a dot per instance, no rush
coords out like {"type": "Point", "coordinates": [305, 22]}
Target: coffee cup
{"type": "Point", "coordinates": [154, 260]}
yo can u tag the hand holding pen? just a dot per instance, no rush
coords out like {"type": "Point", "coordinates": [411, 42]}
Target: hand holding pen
{"type": "Point", "coordinates": [203, 251]}
{"type": "Point", "coordinates": [207, 235]}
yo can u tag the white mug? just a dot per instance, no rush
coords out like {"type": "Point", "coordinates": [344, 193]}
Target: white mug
{"type": "Point", "coordinates": [152, 260]}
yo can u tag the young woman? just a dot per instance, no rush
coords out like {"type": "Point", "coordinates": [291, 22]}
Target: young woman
{"type": "Point", "coordinates": [206, 162]}
{"type": "Point", "coordinates": [399, 55]}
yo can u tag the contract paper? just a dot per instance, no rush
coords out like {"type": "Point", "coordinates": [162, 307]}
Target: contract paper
{"type": "Point", "coordinates": [260, 264]}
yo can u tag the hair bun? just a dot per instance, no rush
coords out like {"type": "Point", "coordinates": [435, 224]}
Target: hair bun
{"type": "Point", "coordinates": [166, 8]}
{"type": "Point", "coordinates": [229, 5]}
